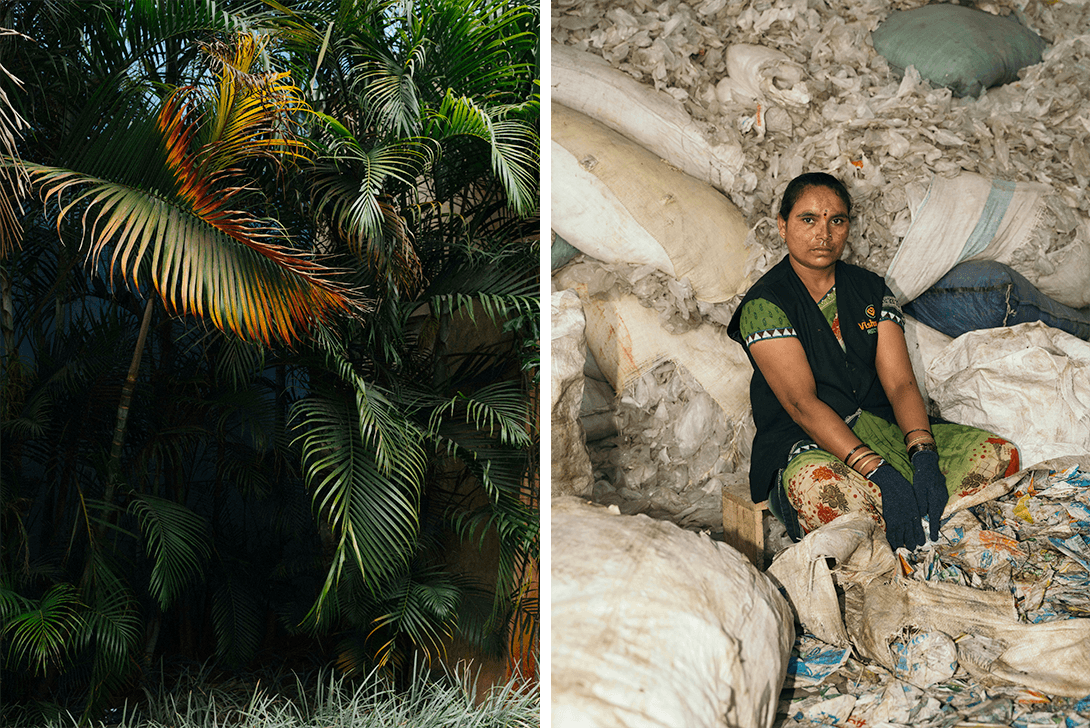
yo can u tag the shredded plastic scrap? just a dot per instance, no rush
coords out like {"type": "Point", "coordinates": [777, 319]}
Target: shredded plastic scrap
{"type": "Point", "coordinates": [1031, 542]}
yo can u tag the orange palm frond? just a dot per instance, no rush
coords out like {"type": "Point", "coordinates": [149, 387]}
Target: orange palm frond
{"type": "Point", "coordinates": [201, 250]}
{"type": "Point", "coordinates": [256, 289]}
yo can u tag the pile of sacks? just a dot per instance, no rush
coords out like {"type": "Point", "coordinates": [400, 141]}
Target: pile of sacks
{"type": "Point", "coordinates": [654, 626]}
{"type": "Point", "coordinates": [675, 129]}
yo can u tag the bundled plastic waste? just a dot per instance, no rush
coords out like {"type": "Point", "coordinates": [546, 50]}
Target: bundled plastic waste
{"type": "Point", "coordinates": [659, 627]}
{"type": "Point", "coordinates": [1028, 546]}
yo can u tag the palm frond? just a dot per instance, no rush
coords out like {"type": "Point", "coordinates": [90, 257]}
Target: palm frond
{"type": "Point", "coordinates": [177, 542]}
{"type": "Point", "coordinates": [45, 632]}
{"type": "Point", "coordinates": [512, 144]}
{"type": "Point", "coordinates": [499, 410]}
{"type": "Point", "coordinates": [255, 289]}
{"type": "Point", "coordinates": [238, 361]}
{"type": "Point", "coordinates": [370, 505]}
{"type": "Point", "coordinates": [383, 425]}
{"type": "Point", "coordinates": [13, 179]}
{"type": "Point", "coordinates": [237, 617]}
{"type": "Point", "coordinates": [33, 415]}
{"type": "Point", "coordinates": [388, 88]}
{"type": "Point", "coordinates": [498, 307]}
{"type": "Point", "coordinates": [422, 605]}
{"type": "Point", "coordinates": [247, 114]}
{"type": "Point", "coordinates": [356, 188]}
{"type": "Point", "coordinates": [155, 34]}
{"type": "Point", "coordinates": [11, 602]}
{"type": "Point", "coordinates": [112, 628]}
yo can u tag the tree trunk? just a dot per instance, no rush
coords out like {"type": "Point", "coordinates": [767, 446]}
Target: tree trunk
{"type": "Point", "coordinates": [113, 467]}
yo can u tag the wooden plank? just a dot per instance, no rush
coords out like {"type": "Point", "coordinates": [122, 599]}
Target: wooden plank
{"type": "Point", "coordinates": [743, 522]}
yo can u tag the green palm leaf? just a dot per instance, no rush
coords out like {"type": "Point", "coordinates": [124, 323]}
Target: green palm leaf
{"type": "Point", "coordinates": [353, 185]}
{"type": "Point", "coordinates": [513, 144]}
{"type": "Point", "coordinates": [112, 617]}
{"type": "Point", "coordinates": [11, 603]}
{"type": "Point", "coordinates": [422, 605]}
{"type": "Point", "coordinates": [364, 466]}
{"type": "Point", "coordinates": [390, 89]}
{"type": "Point", "coordinates": [370, 499]}
{"type": "Point", "coordinates": [498, 410]}
{"type": "Point", "coordinates": [112, 626]}
{"type": "Point", "coordinates": [177, 542]}
{"type": "Point", "coordinates": [46, 631]}
{"type": "Point", "coordinates": [237, 613]}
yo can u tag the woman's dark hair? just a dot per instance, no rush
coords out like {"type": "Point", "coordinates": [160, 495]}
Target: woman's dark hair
{"type": "Point", "coordinates": [796, 187]}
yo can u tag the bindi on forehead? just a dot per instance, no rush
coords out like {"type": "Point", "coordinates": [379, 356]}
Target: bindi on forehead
{"type": "Point", "coordinates": [824, 213]}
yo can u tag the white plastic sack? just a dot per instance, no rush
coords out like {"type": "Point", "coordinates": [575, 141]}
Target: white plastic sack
{"type": "Point", "coordinates": [627, 341]}
{"type": "Point", "coordinates": [971, 217]}
{"type": "Point", "coordinates": [924, 344]}
{"type": "Point", "coordinates": [1029, 383]}
{"type": "Point", "coordinates": [571, 469]}
{"type": "Point", "coordinates": [656, 121]}
{"type": "Point", "coordinates": [880, 608]}
{"type": "Point", "coordinates": [617, 202]}
{"type": "Point", "coordinates": [656, 626]}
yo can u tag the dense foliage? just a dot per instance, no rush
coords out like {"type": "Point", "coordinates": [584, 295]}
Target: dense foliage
{"type": "Point", "coordinates": [269, 318]}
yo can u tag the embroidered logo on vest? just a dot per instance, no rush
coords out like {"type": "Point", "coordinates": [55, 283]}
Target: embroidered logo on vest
{"type": "Point", "coordinates": [870, 326]}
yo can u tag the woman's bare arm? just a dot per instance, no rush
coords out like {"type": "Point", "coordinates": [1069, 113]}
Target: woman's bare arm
{"type": "Point", "coordinates": [784, 366]}
{"type": "Point", "coordinates": [898, 381]}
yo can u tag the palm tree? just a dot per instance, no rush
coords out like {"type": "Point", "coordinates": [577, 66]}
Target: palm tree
{"type": "Point", "coordinates": [213, 207]}
{"type": "Point", "coordinates": [172, 217]}
{"type": "Point", "coordinates": [427, 180]}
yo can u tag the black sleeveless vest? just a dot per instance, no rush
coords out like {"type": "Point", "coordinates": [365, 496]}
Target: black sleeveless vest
{"type": "Point", "coordinates": [847, 382]}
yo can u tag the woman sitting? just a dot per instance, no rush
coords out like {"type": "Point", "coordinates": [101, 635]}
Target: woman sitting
{"type": "Point", "coordinates": [841, 424]}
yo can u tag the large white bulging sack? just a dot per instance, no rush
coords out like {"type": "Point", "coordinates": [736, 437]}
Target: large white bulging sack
{"type": "Point", "coordinates": [654, 626]}
{"type": "Point", "coordinates": [1029, 383]}
{"type": "Point", "coordinates": [619, 203]}
{"type": "Point", "coordinates": [924, 344]}
{"type": "Point", "coordinates": [971, 217]}
{"type": "Point", "coordinates": [656, 121]}
{"type": "Point", "coordinates": [571, 469]}
{"type": "Point", "coordinates": [627, 341]}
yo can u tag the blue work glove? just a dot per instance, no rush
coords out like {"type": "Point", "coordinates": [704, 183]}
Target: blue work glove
{"type": "Point", "coordinates": [899, 508]}
{"type": "Point", "coordinates": [930, 486]}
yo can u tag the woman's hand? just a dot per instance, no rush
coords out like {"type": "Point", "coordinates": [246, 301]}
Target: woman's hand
{"type": "Point", "coordinates": [899, 508]}
{"type": "Point", "coordinates": [930, 486]}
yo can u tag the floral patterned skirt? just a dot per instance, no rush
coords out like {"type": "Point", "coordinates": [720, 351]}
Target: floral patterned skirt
{"type": "Point", "coordinates": [821, 487]}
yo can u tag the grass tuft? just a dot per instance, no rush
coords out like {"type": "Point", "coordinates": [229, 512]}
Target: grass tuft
{"type": "Point", "coordinates": [327, 701]}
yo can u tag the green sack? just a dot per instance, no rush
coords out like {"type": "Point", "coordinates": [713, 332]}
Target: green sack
{"type": "Point", "coordinates": [964, 49]}
{"type": "Point", "coordinates": [562, 252]}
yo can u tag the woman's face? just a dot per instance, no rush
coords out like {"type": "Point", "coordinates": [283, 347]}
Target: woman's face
{"type": "Point", "coordinates": [817, 228]}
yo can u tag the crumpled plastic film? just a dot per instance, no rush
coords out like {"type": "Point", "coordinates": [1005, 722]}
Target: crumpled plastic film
{"type": "Point", "coordinates": [998, 585]}
{"type": "Point", "coordinates": [682, 406]}
{"type": "Point", "coordinates": [763, 74]}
